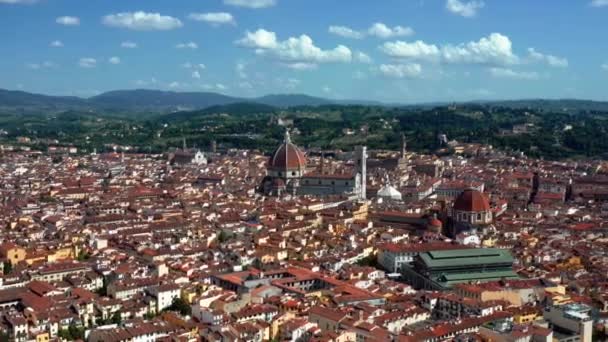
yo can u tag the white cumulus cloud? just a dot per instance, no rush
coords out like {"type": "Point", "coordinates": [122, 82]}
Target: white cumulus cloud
{"type": "Point", "coordinates": [251, 3]}
{"type": "Point", "coordinates": [495, 49]}
{"type": "Point", "coordinates": [68, 21]}
{"type": "Point", "coordinates": [215, 18]}
{"type": "Point", "coordinates": [410, 70]}
{"type": "Point", "coordinates": [294, 49]}
{"type": "Point", "coordinates": [605, 66]}
{"type": "Point", "coordinates": [551, 60]}
{"type": "Point", "coordinates": [56, 43]}
{"type": "Point", "coordinates": [87, 62]}
{"type": "Point", "coordinates": [381, 30]}
{"type": "Point", "coordinates": [416, 50]}
{"type": "Point", "coordinates": [345, 32]}
{"type": "Point", "coordinates": [142, 21]}
{"type": "Point", "coordinates": [466, 9]}
{"type": "Point", "coordinates": [188, 45]}
{"type": "Point", "coordinates": [128, 45]}
{"type": "Point", "coordinates": [260, 39]}
{"type": "Point", "coordinates": [114, 60]}
{"type": "Point", "coordinates": [196, 74]}
{"type": "Point", "coordinates": [510, 73]}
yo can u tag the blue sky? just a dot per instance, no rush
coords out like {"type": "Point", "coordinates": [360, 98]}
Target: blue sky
{"type": "Point", "coordinates": [390, 50]}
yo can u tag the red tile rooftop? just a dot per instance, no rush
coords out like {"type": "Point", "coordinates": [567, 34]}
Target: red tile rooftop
{"type": "Point", "coordinates": [525, 175]}
{"type": "Point", "coordinates": [397, 214]}
{"type": "Point", "coordinates": [235, 278]}
{"type": "Point", "coordinates": [40, 288]}
{"type": "Point", "coordinates": [420, 247]}
{"type": "Point", "coordinates": [63, 266]}
{"type": "Point", "coordinates": [584, 226]}
{"type": "Point", "coordinates": [330, 314]}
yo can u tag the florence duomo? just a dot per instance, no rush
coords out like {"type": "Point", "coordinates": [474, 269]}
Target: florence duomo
{"type": "Point", "coordinates": [287, 173]}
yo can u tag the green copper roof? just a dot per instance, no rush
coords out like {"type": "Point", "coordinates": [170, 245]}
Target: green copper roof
{"type": "Point", "coordinates": [466, 257]}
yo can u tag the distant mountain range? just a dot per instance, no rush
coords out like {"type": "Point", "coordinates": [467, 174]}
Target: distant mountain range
{"type": "Point", "coordinates": [560, 105]}
{"type": "Point", "coordinates": [15, 98]}
{"type": "Point", "coordinates": [142, 100]}
{"type": "Point", "coordinates": [157, 101]}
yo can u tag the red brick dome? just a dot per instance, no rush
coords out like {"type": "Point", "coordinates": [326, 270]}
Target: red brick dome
{"type": "Point", "coordinates": [288, 157]}
{"type": "Point", "coordinates": [472, 200]}
{"type": "Point", "coordinates": [434, 222]}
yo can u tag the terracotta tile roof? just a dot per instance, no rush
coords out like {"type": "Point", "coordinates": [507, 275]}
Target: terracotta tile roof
{"type": "Point", "coordinates": [472, 201]}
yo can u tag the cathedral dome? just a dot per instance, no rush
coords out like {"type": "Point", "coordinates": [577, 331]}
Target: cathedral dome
{"type": "Point", "coordinates": [435, 223]}
{"type": "Point", "coordinates": [288, 157]}
{"type": "Point", "coordinates": [472, 200]}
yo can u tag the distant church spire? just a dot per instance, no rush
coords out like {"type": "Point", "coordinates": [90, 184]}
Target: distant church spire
{"type": "Point", "coordinates": [184, 143]}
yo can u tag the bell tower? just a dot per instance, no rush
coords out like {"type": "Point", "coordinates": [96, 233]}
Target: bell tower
{"type": "Point", "coordinates": [403, 146]}
{"type": "Point", "coordinates": [361, 164]}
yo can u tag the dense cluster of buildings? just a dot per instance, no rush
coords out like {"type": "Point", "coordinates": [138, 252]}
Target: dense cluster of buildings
{"type": "Point", "coordinates": [359, 245]}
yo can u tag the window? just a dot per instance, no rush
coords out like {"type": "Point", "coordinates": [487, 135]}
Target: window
{"type": "Point", "coordinates": [293, 173]}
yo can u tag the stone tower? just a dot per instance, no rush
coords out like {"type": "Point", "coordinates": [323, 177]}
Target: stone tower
{"type": "Point", "coordinates": [403, 146]}
{"type": "Point", "coordinates": [361, 163]}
